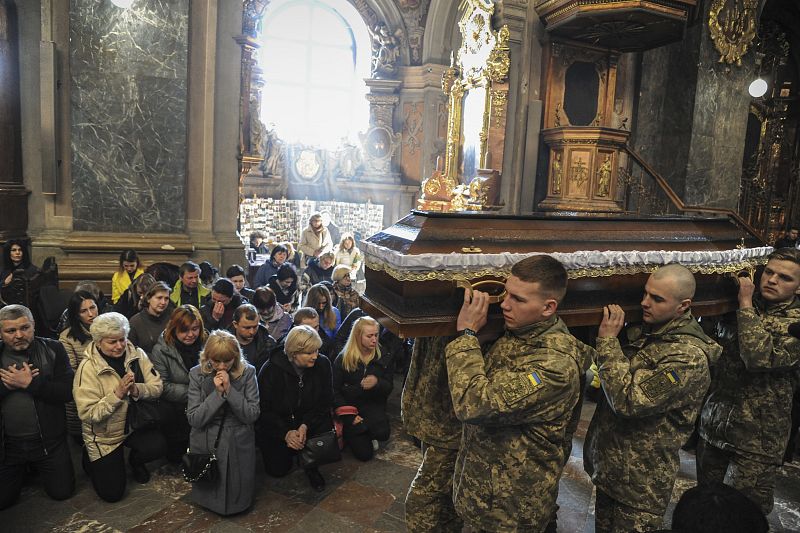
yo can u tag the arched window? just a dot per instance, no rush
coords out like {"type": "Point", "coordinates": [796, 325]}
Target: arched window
{"type": "Point", "coordinates": [315, 55]}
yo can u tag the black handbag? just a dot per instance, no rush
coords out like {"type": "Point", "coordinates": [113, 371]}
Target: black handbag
{"type": "Point", "coordinates": [320, 450]}
{"type": "Point", "coordinates": [142, 414]}
{"type": "Point", "coordinates": [202, 467]}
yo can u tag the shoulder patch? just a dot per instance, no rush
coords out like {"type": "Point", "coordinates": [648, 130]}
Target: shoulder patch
{"type": "Point", "coordinates": [521, 387]}
{"type": "Point", "coordinates": [659, 384]}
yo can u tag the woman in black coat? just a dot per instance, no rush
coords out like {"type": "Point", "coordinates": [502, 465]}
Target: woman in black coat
{"type": "Point", "coordinates": [16, 260]}
{"type": "Point", "coordinates": [284, 285]}
{"type": "Point", "coordinates": [296, 402]}
{"type": "Point", "coordinates": [362, 382]}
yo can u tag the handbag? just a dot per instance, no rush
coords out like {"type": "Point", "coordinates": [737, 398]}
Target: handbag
{"type": "Point", "coordinates": [320, 450]}
{"type": "Point", "coordinates": [197, 467]}
{"type": "Point", "coordinates": [142, 414]}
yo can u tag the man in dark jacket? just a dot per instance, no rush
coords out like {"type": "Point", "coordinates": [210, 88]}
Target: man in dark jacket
{"type": "Point", "coordinates": [789, 239]}
{"type": "Point", "coordinates": [35, 383]}
{"type": "Point", "coordinates": [256, 342]}
{"type": "Point", "coordinates": [218, 310]}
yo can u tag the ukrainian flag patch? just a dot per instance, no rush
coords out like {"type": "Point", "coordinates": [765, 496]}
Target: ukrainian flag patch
{"type": "Point", "coordinates": [520, 387]}
{"type": "Point", "coordinates": [660, 384]}
{"type": "Point", "coordinates": [534, 378]}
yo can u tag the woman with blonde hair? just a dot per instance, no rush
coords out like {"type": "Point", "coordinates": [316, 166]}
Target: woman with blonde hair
{"type": "Point", "coordinates": [176, 352]}
{"type": "Point", "coordinates": [223, 399]}
{"type": "Point", "coordinates": [362, 382]}
{"type": "Point", "coordinates": [296, 402]}
{"type": "Point", "coordinates": [319, 298]}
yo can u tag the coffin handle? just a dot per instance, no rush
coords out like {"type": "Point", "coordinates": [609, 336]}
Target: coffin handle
{"type": "Point", "coordinates": [493, 298]}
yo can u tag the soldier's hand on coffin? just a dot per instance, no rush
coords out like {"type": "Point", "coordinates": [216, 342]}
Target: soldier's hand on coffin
{"type": "Point", "coordinates": [613, 320]}
{"type": "Point", "coordinates": [473, 312]}
{"type": "Point", "coordinates": [746, 290]}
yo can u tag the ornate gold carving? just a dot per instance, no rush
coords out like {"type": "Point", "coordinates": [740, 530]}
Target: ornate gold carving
{"type": "Point", "coordinates": [604, 177]}
{"type": "Point", "coordinates": [733, 26]}
{"type": "Point", "coordinates": [482, 60]}
{"type": "Point", "coordinates": [580, 173]}
{"type": "Point", "coordinates": [499, 103]}
{"type": "Point", "coordinates": [557, 173]}
{"type": "Point", "coordinates": [600, 272]}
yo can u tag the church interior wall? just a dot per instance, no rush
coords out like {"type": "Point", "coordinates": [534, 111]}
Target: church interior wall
{"type": "Point", "coordinates": [686, 112]}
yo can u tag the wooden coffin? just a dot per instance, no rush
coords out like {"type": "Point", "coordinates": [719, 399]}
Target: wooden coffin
{"type": "Point", "coordinates": [412, 268]}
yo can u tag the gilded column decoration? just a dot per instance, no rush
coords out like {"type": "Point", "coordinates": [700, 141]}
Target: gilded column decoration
{"type": "Point", "coordinates": [604, 177]}
{"type": "Point", "coordinates": [733, 25]}
{"type": "Point", "coordinates": [558, 173]}
{"type": "Point", "coordinates": [476, 87]}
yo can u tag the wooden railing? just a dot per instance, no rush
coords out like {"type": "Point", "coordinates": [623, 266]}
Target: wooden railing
{"type": "Point", "coordinates": [646, 192]}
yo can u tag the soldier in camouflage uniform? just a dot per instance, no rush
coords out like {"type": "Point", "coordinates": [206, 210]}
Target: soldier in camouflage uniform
{"type": "Point", "coordinates": [654, 388]}
{"type": "Point", "coordinates": [428, 415]}
{"type": "Point", "coordinates": [746, 420]}
{"type": "Point", "coordinates": [516, 403]}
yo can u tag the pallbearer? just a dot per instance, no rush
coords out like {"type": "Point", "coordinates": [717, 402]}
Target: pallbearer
{"type": "Point", "coordinates": [653, 389]}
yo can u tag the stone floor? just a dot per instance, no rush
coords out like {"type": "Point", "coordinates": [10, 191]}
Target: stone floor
{"type": "Point", "coordinates": [360, 497]}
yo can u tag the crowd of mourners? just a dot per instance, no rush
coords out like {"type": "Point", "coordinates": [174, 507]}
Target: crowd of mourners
{"type": "Point", "coordinates": [209, 365]}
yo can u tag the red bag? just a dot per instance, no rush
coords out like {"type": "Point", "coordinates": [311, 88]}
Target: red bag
{"type": "Point", "coordinates": [337, 424]}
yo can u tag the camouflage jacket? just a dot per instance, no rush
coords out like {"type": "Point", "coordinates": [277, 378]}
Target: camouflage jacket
{"type": "Point", "coordinates": [515, 405]}
{"type": "Point", "coordinates": [427, 409]}
{"type": "Point", "coordinates": [749, 408]}
{"type": "Point", "coordinates": [654, 388]}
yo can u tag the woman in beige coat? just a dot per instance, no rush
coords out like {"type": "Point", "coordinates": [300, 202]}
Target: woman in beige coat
{"type": "Point", "coordinates": [114, 375]}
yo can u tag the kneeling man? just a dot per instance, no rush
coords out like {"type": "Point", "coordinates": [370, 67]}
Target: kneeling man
{"type": "Point", "coordinates": [654, 387]}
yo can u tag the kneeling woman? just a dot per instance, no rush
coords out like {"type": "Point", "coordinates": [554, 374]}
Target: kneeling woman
{"type": "Point", "coordinates": [114, 374]}
{"type": "Point", "coordinates": [223, 392]}
{"type": "Point", "coordinates": [362, 381]}
{"type": "Point", "coordinates": [175, 354]}
{"type": "Point", "coordinates": [296, 402]}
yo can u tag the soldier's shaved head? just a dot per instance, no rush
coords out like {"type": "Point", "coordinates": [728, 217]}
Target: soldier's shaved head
{"type": "Point", "coordinates": [682, 279]}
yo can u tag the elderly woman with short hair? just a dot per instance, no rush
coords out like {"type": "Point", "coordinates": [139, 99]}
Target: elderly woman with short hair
{"type": "Point", "coordinates": [296, 402]}
{"type": "Point", "coordinates": [115, 374]}
{"type": "Point", "coordinates": [223, 393]}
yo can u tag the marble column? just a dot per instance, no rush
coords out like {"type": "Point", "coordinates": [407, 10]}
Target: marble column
{"type": "Point", "coordinates": [692, 117]}
{"type": "Point", "coordinates": [128, 86]}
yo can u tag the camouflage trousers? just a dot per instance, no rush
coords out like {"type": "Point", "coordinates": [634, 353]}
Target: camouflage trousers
{"type": "Point", "coordinates": [754, 479]}
{"type": "Point", "coordinates": [612, 516]}
{"type": "Point", "coordinates": [429, 504]}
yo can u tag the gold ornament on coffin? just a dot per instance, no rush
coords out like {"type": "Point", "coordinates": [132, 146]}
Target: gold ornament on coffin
{"type": "Point", "coordinates": [577, 273]}
{"type": "Point", "coordinates": [733, 26]}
